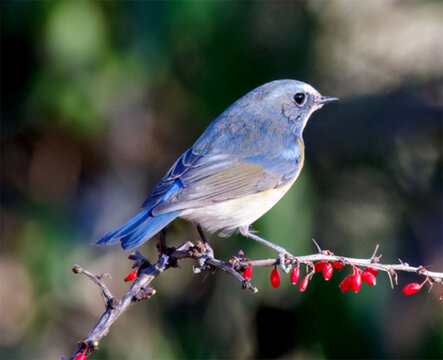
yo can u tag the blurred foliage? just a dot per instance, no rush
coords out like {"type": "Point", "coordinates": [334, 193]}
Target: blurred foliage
{"type": "Point", "coordinates": [100, 98]}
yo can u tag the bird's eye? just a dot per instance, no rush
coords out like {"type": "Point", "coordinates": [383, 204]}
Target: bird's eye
{"type": "Point", "coordinates": [299, 98]}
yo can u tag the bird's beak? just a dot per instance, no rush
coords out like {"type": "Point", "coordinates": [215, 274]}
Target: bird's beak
{"type": "Point", "coordinates": [325, 99]}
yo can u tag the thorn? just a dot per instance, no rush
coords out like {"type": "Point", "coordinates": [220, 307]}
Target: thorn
{"type": "Point", "coordinates": [318, 246]}
{"type": "Point", "coordinates": [105, 276]}
{"type": "Point", "coordinates": [390, 273]}
{"type": "Point", "coordinates": [430, 287]}
{"type": "Point", "coordinates": [396, 278]}
{"type": "Point", "coordinates": [427, 266]}
{"type": "Point", "coordinates": [375, 251]}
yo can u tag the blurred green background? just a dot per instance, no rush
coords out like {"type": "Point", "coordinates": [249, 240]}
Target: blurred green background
{"type": "Point", "coordinates": [100, 98]}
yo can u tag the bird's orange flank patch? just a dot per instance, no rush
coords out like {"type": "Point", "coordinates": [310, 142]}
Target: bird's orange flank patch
{"type": "Point", "coordinates": [302, 160]}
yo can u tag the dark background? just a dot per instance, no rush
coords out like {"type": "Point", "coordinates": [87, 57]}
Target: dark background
{"type": "Point", "coordinates": [100, 98]}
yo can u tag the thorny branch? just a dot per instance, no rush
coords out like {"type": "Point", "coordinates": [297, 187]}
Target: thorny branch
{"type": "Point", "coordinates": [169, 257]}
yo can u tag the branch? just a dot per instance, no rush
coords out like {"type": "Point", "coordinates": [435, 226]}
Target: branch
{"type": "Point", "coordinates": [388, 268]}
{"type": "Point", "coordinates": [169, 258]}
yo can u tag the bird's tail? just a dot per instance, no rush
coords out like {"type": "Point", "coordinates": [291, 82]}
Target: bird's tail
{"type": "Point", "coordinates": [139, 229]}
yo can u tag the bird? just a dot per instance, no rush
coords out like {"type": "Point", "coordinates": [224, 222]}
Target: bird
{"type": "Point", "coordinates": [237, 170]}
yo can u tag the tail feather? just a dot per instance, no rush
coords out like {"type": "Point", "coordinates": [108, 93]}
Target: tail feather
{"type": "Point", "coordinates": [147, 230]}
{"type": "Point", "coordinates": [144, 225]}
{"type": "Point", "coordinates": [139, 229]}
{"type": "Point", "coordinates": [114, 236]}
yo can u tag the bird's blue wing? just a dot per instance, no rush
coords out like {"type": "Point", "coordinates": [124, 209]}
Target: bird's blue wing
{"type": "Point", "coordinates": [211, 178]}
{"type": "Point", "coordinates": [183, 164]}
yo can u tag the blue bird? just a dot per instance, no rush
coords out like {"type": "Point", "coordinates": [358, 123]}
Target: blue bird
{"type": "Point", "coordinates": [238, 169]}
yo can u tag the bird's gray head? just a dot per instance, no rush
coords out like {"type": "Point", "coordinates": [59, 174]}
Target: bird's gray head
{"type": "Point", "coordinates": [296, 100]}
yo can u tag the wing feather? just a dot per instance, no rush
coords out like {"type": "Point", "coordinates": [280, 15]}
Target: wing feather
{"type": "Point", "coordinates": [212, 179]}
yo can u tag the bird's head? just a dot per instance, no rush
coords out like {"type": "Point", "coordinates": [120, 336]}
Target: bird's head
{"type": "Point", "coordinates": [294, 99]}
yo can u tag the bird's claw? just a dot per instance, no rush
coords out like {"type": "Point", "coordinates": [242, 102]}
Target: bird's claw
{"type": "Point", "coordinates": [207, 253]}
{"type": "Point", "coordinates": [285, 260]}
{"type": "Point", "coordinates": [201, 266]}
{"type": "Point", "coordinates": [208, 250]}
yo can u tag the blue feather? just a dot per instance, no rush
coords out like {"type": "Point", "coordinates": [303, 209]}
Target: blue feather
{"type": "Point", "coordinates": [144, 225]}
{"type": "Point", "coordinates": [147, 230]}
{"type": "Point", "coordinates": [171, 178]}
{"type": "Point", "coordinates": [114, 236]}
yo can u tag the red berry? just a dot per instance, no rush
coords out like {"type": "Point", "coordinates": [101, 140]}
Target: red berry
{"type": "Point", "coordinates": [319, 266]}
{"type": "Point", "coordinates": [80, 356]}
{"type": "Point", "coordinates": [275, 278]}
{"type": "Point", "coordinates": [346, 284]}
{"type": "Point", "coordinates": [412, 288]}
{"type": "Point", "coordinates": [356, 282]}
{"type": "Point", "coordinates": [372, 270]}
{"type": "Point", "coordinates": [328, 269]}
{"type": "Point", "coordinates": [337, 264]}
{"type": "Point", "coordinates": [304, 284]}
{"type": "Point", "coordinates": [369, 278]}
{"type": "Point", "coordinates": [295, 275]}
{"type": "Point", "coordinates": [132, 275]}
{"type": "Point", "coordinates": [247, 273]}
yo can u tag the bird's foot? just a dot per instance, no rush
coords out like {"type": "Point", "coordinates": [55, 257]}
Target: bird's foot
{"type": "Point", "coordinates": [208, 250]}
{"type": "Point", "coordinates": [285, 259]}
{"type": "Point", "coordinates": [205, 252]}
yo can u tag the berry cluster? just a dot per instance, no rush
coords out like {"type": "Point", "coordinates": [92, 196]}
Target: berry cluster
{"type": "Point", "coordinates": [357, 278]}
{"type": "Point", "coordinates": [353, 281]}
